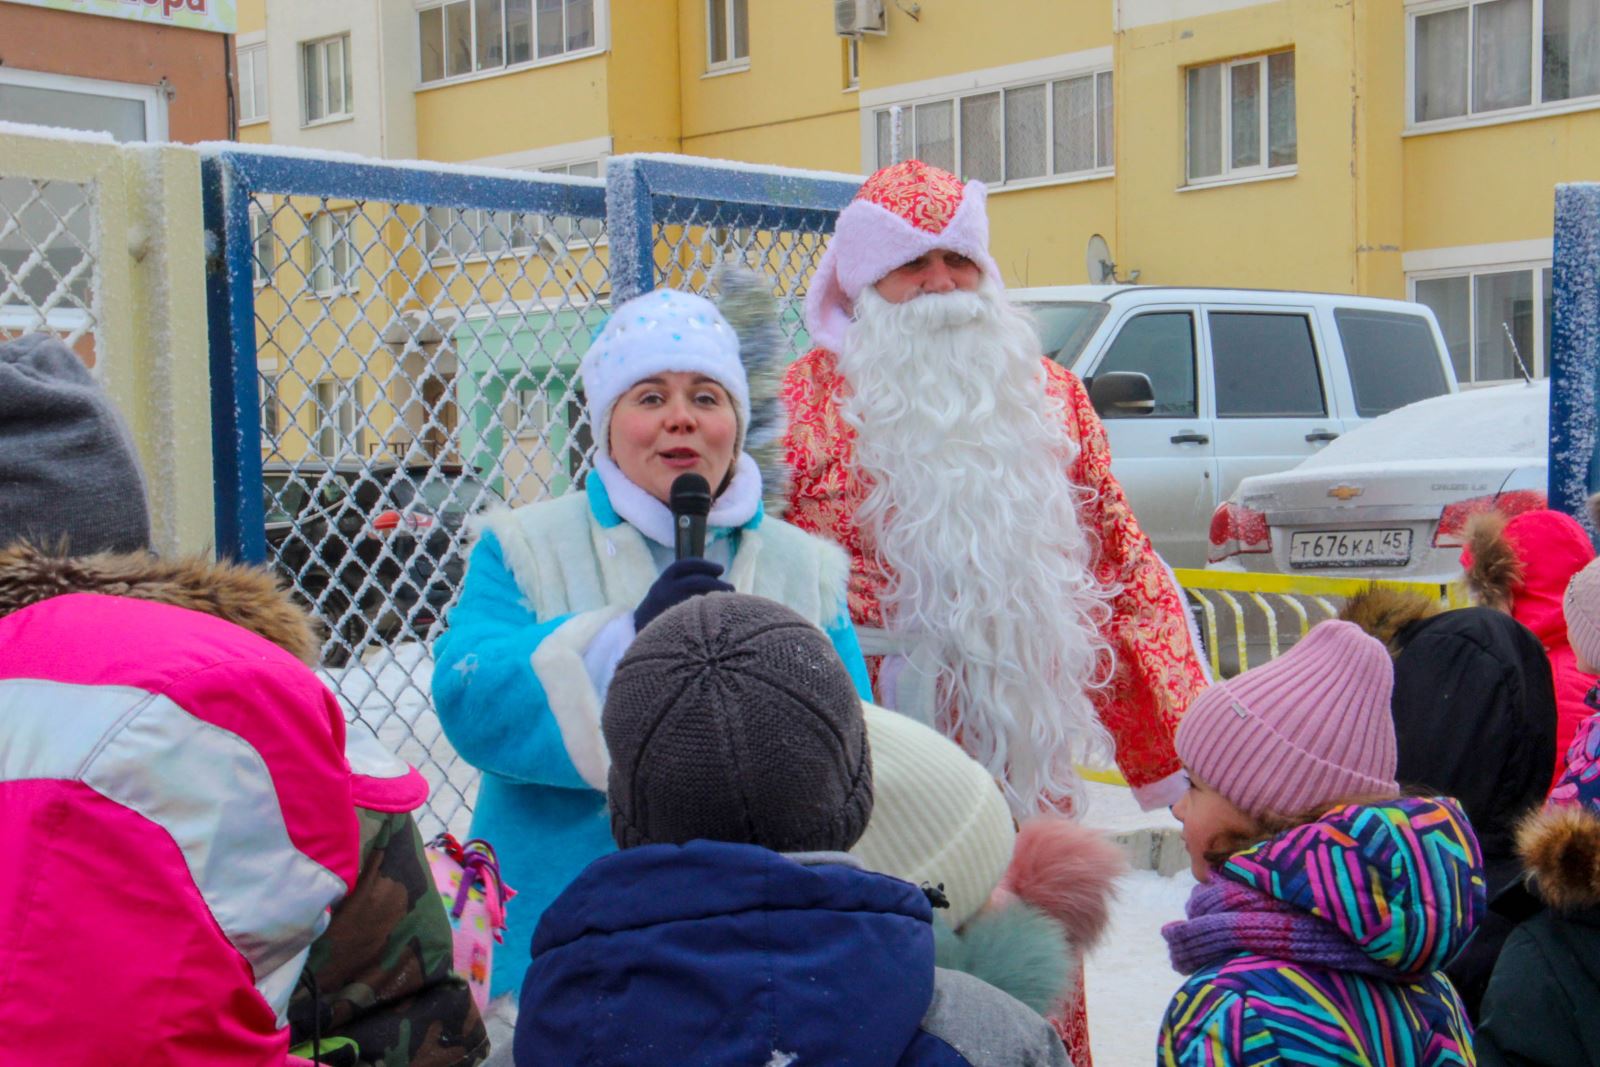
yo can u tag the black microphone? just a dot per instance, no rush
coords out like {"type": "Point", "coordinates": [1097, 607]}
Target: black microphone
{"type": "Point", "coordinates": [690, 500]}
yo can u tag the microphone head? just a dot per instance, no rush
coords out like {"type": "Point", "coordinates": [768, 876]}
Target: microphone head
{"type": "Point", "coordinates": [690, 495]}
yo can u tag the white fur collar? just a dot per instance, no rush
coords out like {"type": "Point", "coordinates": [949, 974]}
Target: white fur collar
{"type": "Point", "coordinates": [736, 506]}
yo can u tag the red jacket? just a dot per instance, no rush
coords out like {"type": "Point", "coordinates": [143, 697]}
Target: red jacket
{"type": "Point", "coordinates": [1523, 567]}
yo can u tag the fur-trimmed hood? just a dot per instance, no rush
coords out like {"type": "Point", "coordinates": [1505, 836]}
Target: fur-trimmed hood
{"type": "Point", "coordinates": [1384, 612]}
{"type": "Point", "coordinates": [1522, 566]}
{"type": "Point", "coordinates": [1561, 849]}
{"type": "Point", "coordinates": [248, 597]}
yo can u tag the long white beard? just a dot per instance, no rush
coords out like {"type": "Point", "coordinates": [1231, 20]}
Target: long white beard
{"type": "Point", "coordinates": [972, 513]}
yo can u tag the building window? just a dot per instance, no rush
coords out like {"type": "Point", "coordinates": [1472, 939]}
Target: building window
{"type": "Point", "coordinates": [727, 34]}
{"type": "Point", "coordinates": [333, 252]}
{"type": "Point", "coordinates": [271, 423]}
{"type": "Point", "coordinates": [338, 418]}
{"type": "Point", "coordinates": [252, 84]}
{"type": "Point", "coordinates": [1490, 318]}
{"type": "Point", "coordinates": [852, 62]}
{"type": "Point", "coordinates": [469, 233]}
{"type": "Point", "coordinates": [1471, 59]}
{"type": "Point", "coordinates": [263, 245]}
{"type": "Point", "coordinates": [1241, 118]}
{"type": "Point", "coordinates": [1020, 134]}
{"type": "Point", "coordinates": [325, 65]}
{"type": "Point", "coordinates": [474, 36]}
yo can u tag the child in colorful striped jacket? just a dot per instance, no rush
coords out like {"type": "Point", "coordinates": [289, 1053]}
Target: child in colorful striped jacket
{"type": "Point", "coordinates": [1317, 937]}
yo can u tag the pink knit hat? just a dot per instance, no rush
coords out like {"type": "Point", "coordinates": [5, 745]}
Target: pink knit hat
{"type": "Point", "coordinates": [1581, 606]}
{"type": "Point", "coordinates": [901, 212]}
{"type": "Point", "coordinates": [1311, 726]}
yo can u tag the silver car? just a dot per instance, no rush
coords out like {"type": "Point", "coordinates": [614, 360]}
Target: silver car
{"type": "Point", "coordinates": [1392, 498]}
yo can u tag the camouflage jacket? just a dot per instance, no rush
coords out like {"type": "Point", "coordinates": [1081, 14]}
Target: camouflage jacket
{"type": "Point", "coordinates": [384, 992]}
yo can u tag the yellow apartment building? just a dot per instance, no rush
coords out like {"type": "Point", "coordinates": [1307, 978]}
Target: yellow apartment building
{"type": "Point", "coordinates": [1400, 148]}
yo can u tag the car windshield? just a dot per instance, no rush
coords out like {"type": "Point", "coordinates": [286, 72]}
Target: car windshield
{"type": "Point", "coordinates": [1065, 326]}
{"type": "Point", "coordinates": [451, 494]}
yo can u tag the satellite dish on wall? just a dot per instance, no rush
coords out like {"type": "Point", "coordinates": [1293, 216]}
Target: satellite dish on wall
{"type": "Point", "coordinates": [1098, 261]}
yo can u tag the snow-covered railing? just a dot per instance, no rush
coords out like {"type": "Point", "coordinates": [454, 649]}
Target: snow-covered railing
{"type": "Point", "coordinates": [1575, 351]}
{"type": "Point", "coordinates": [675, 219]}
{"type": "Point", "coordinates": [100, 244]}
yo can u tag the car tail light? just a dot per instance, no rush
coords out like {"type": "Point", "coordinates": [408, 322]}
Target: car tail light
{"type": "Point", "coordinates": [1236, 530]}
{"type": "Point", "coordinates": [1452, 531]}
{"type": "Point", "coordinates": [387, 522]}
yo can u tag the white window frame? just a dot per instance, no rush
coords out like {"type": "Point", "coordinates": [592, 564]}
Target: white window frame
{"type": "Point", "coordinates": [601, 44]}
{"type": "Point", "coordinates": [1050, 177]}
{"type": "Point", "coordinates": [262, 230]}
{"type": "Point", "coordinates": [330, 231]}
{"type": "Point", "coordinates": [271, 408]}
{"type": "Point", "coordinates": [539, 162]}
{"type": "Point", "coordinates": [1538, 365]}
{"type": "Point", "coordinates": [852, 64]}
{"type": "Point", "coordinates": [151, 96]}
{"type": "Point", "coordinates": [732, 62]}
{"type": "Point", "coordinates": [1264, 169]}
{"type": "Point", "coordinates": [252, 55]}
{"type": "Point", "coordinates": [346, 88]}
{"type": "Point", "coordinates": [1535, 108]}
{"type": "Point", "coordinates": [341, 420]}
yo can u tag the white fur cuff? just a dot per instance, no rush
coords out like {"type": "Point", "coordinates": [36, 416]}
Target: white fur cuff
{"type": "Point", "coordinates": [559, 665]}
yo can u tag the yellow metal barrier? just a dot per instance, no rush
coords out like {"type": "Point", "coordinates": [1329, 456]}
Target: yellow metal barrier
{"type": "Point", "coordinates": [1298, 596]}
{"type": "Point", "coordinates": [1306, 600]}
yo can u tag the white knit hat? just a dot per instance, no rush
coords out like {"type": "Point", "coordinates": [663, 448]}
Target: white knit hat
{"type": "Point", "coordinates": [656, 333]}
{"type": "Point", "coordinates": [938, 816]}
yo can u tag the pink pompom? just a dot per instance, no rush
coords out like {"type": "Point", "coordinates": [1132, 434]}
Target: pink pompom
{"type": "Point", "coordinates": [1069, 872]}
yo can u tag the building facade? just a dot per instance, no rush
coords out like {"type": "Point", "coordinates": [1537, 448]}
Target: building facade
{"type": "Point", "coordinates": [1400, 148]}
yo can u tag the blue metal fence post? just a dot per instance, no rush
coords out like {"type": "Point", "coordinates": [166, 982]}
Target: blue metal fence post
{"type": "Point", "coordinates": [630, 225]}
{"type": "Point", "coordinates": [235, 409]}
{"type": "Point", "coordinates": [1575, 350]}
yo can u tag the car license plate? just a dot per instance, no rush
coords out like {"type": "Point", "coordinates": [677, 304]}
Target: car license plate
{"type": "Point", "coordinates": [1350, 548]}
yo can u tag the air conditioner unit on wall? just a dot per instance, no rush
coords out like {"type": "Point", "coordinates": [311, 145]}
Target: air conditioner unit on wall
{"type": "Point", "coordinates": [852, 18]}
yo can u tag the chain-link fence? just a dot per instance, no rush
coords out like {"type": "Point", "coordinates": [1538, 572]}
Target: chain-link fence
{"type": "Point", "coordinates": [403, 344]}
{"type": "Point", "coordinates": [48, 259]}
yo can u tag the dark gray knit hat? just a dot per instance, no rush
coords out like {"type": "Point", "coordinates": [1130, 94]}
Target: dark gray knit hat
{"type": "Point", "coordinates": [731, 718]}
{"type": "Point", "coordinates": [69, 477]}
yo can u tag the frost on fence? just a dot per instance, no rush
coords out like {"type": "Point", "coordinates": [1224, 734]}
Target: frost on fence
{"type": "Point", "coordinates": [689, 252]}
{"type": "Point", "coordinates": [416, 365]}
{"type": "Point", "coordinates": [1575, 350]}
{"type": "Point", "coordinates": [47, 258]}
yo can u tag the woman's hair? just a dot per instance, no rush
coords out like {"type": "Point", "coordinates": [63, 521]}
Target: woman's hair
{"type": "Point", "coordinates": [1272, 824]}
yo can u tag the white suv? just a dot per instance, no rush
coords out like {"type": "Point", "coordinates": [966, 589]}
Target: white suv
{"type": "Point", "coordinates": [1200, 388]}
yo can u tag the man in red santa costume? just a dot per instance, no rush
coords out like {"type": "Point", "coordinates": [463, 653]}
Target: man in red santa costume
{"type": "Point", "coordinates": [1002, 588]}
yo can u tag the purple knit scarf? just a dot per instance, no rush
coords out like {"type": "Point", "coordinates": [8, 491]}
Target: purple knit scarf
{"type": "Point", "coordinates": [1227, 918]}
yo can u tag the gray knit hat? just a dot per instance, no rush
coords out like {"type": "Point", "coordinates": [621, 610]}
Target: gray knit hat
{"type": "Point", "coordinates": [69, 477]}
{"type": "Point", "coordinates": [731, 718]}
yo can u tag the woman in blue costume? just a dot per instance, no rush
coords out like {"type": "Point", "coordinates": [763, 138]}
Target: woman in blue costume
{"type": "Point", "coordinates": [556, 591]}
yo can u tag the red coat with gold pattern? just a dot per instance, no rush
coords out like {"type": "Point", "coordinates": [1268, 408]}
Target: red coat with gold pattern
{"type": "Point", "coordinates": [1156, 672]}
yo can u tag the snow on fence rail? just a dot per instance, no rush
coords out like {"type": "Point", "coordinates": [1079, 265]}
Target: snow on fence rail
{"type": "Point", "coordinates": [395, 346]}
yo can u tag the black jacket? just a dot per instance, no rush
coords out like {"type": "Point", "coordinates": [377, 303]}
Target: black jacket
{"type": "Point", "coordinates": [1542, 1006]}
{"type": "Point", "coordinates": [1475, 718]}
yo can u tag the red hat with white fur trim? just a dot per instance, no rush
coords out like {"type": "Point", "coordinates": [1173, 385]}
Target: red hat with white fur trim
{"type": "Point", "coordinates": [902, 212]}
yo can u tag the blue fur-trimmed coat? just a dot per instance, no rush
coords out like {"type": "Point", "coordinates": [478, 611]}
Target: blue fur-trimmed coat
{"type": "Point", "coordinates": [516, 700]}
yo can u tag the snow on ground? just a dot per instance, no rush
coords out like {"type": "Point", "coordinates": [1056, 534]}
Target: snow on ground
{"type": "Point", "coordinates": [1128, 978]}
